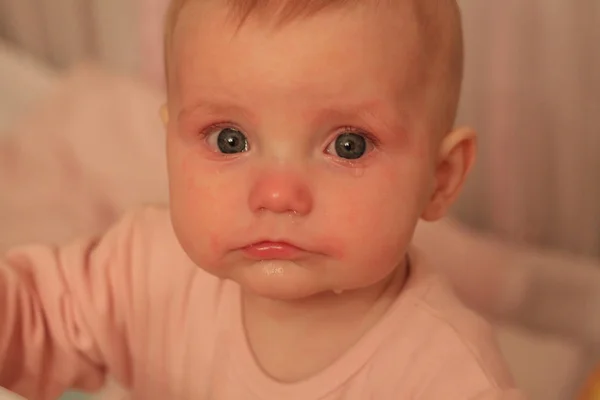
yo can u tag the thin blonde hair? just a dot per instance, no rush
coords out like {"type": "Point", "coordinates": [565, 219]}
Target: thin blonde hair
{"type": "Point", "coordinates": [439, 21]}
{"type": "Point", "coordinates": [285, 10]}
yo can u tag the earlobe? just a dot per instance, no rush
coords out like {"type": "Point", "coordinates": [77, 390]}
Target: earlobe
{"type": "Point", "coordinates": [455, 160]}
{"type": "Point", "coordinates": [164, 114]}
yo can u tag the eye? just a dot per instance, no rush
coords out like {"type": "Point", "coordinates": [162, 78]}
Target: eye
{"type": "Point", "coordinates": [350, 146]}
{"type": "Point", "coordinates": [228, 140]}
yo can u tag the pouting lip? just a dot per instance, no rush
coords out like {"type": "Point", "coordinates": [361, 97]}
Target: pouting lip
{"type": "Point", "coordinates": [274, 249]}
{"type": "Point", "coordinates": [267, 241]}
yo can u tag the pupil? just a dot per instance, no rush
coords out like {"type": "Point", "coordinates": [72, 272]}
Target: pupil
{"type": "Point", "coordinates": [350, 146]}
{"type": "Point", "coordinates": [232, 141]}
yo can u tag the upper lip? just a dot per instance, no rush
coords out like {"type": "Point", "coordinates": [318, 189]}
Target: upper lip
{"type": "Point", "coordinates": [269, 249]}
{"type": "Point", "coordinates": [274, 243]}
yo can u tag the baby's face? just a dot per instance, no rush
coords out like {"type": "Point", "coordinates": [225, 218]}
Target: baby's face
{"type": "Point", "coordinates": [312, 134]}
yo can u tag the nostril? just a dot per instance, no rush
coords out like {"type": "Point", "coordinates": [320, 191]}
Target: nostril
{"type": "Point", "coordinates": [281, 194]}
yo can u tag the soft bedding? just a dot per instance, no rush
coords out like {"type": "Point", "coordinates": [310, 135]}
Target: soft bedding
{"type": "Point", "coordinates": [23, 81]}
{"type": "Point", "coordinates": [92, 149]}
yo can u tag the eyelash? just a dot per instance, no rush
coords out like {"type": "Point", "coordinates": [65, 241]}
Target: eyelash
{"type": "Point", "coordinates": [357, 131]}
{"type": "Point", "coordinates": [221, 125]}
{"type": "Point", "coordinates": [344, 129]}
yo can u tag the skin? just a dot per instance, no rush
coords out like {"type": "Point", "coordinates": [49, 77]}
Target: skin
{"type": "Point", "coordinates": [292, 96]}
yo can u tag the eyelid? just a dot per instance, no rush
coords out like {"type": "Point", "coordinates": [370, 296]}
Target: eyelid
{"type": "Point", "coordinates": [219, 125]}
{"type": "Point", "coordinates": [206, 133]}
{"type": "Point", "coordinates": [372, 141]}
{"type": "Point", "coordinates": [358, 131]}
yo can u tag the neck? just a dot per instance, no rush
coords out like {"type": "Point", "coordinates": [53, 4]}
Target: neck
{"type": "Point", "coordinates": [329, 307]}
{"type": "Point", "coordinates": [314, 331]}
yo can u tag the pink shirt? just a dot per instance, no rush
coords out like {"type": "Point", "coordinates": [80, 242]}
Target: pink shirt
{"type": "Point", "coordinates": [132, 305]}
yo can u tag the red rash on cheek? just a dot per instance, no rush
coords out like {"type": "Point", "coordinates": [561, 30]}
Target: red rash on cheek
{"type": "Point", "coordinates": [333, 247]}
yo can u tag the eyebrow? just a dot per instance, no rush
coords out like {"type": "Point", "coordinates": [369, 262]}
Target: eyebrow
{"type": "Point", "coordinates": [374, 114]}
{"type": "Point", "coordinates": [212, 107]}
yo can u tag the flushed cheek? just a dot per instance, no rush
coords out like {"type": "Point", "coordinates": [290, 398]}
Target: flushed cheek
{"type": "Point", "coordinates": [209, 183]}
{"type": "Point", "coordinates": [376, 216]}
{"type": "Point", "coordinates": [208, 209]}
{"type": "Point", "coordinates": [377, 242]}
{"type": "Point", "coordinates": [202, 230]}
{"type": "Point", "coordinates": [374, 243]}
{"type": "Point", "coordinates": [367, 220]}
{"type": "Point", "coordinates": [214, 204]}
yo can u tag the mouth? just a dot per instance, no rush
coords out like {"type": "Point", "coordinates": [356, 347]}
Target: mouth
{"type": "Point", "coordinates": [269, 250]}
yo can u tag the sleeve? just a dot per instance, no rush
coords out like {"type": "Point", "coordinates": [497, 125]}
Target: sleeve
{"type": "Point", "coordinates": [460, 361]}
{"type": "Point", "coordinates": [63, 320]}
{"type": "Point", "coordinates": [467, 384]}
{"type": "Point", "coordinates": [465, 381]}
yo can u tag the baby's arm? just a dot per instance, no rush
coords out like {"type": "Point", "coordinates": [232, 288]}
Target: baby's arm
{"type": "Point", "coordinates": [63, 320]}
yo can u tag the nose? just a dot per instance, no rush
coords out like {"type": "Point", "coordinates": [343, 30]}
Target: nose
{"type": "Point", "coordinates": [282, 193]}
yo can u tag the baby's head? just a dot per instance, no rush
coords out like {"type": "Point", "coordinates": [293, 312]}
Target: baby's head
{"type": "Point", "coordinates": [326, 125]}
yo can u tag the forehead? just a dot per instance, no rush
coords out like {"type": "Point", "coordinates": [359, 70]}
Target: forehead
{"type": "Point", "coordinates": [359, 46]}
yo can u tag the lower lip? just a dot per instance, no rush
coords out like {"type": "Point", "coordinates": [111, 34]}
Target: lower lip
{"type": "Point", "coordinates": [273, 251]}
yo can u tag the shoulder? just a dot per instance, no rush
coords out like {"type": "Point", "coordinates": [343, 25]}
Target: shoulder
{"type": "Point", "coordinates": [151, 235]}
{"type": "Point", "coordinates": [440, 348]}
{"type": "Point", "coordinates": [148, 220]}
{"type": "Point", "coordinates": [159, 266]}
{"type": "Point", "coordinates": [143, 236]}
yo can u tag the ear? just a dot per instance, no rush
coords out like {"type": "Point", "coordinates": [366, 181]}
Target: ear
{"type": "Point", "coordinates": [164, 114]}
{"type": "Point", "coordinates": [455, 160]}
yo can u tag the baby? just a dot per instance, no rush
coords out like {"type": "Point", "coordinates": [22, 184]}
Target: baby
{"type": "Point", "coordinates": [305, 141]}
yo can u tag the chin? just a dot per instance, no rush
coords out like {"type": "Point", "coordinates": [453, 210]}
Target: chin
{"type": "Point", "coordinates": [280, 280]}
{"type": "Point", "coordinates": [278, 293]}
{"type": "Point", "coordinates": [281, 291]}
